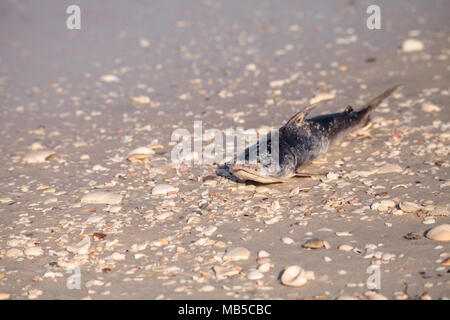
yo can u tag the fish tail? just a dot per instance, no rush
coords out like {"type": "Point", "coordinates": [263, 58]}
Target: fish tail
{"type": "Point", "coordinates": [375, 102]}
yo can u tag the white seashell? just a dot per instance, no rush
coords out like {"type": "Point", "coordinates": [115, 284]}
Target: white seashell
{"type": "Point", "coordinates": [430, 107]}
{"type": "Point", "coordinates": [322, 97]}
{"type": "Point", "coordinates": [294, 276]}
{"type": "Point", "coordinates": [389, 168]}
{"type": "Point", "coordinates": [412, 45]}
{"type": "Point", "coordinates": [5, 200]}
{"type": "Point", "coordinates": [264, 267]}
{"type": "Point", "coordinates": [207, 288]}
{"type": "Point", "coordinates": [376, 296]}
{"type": "Point", "coordinates": [101, 197]}
{"type": "Point", "coordinates": [263, 254]}
{"type": "Point", "coordinates": [33, 252]}
{"type": "Point", "coordinates": [222, 272]}
{"type": "Point", "coordinates": [141, 100]}
{"type": "Point", "coordinates": [14, 253]}
{"type": "Point", "coordinates": [209, 230]}
{"type": "Point", "coordinates": [254, 275]}
{"type": "Point", "coordinates": [109, 78]}
{"type": "Point", "coordinates": [163, 189]}
{"type": "Point", "coordinates": [236, 254]}
{"type": "Point", "coordinates": [51, 200]}
{"type": "Point", "coordinates": [439, 233]}
{"type": "Point", "coordinates": [116, 256]}
{"type": "Point", "coordinates": [287, 240]}
{"type": "Point", "coordinates": [38, 156]}
{"type": "Point", "coordinates": [81, 247]}
{"type": "Point", "coordinates": [140, 154]}
{"type": "Point", "coordinates": [345, 247]}
{"type": "Point", "coordinates": [410, 207]}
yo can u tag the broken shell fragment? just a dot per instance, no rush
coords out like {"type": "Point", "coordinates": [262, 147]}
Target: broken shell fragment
{"type": "Point", "coordinates": [109, 78]}
{"type": "Point", "coordinates": [314, 244]}
{"type": "Point", "coordinates": [141, 100]}
{"type": "Point", "coordinates": [236, 254]}
{"type": "Point", "coordinates": [140, 153]}
{"type": "Point", "coordinates": [33, 251]}
{"type": "Point", "coordinates": [163, 189]}
{"type": "Point", "coordinates": [412, 45]}
{"type": "Point", "coordinates": [101, 197]}
{"type": "Point", "coordinates": [410, 207]}
{"type": "Point", "coordinates": [81, 247]}
{"type": "Point", "coordinates": [38, 156]}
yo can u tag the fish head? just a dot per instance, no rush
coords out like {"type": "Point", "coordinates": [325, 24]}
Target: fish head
{"type": "Point", "coordinates": [266, 169]}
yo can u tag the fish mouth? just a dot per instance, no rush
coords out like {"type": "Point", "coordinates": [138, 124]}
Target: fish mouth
{"type": "Point", "coordinates": [253, 173]}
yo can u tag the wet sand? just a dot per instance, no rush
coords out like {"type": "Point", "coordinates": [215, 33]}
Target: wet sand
{"type": "Point", "coordinates": [219, 62]}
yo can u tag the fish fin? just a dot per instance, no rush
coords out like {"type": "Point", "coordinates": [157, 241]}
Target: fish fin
{"type": "Point", "coordinates": [375, 102]}
{"type": "Point", "coordinates": [299, 117]}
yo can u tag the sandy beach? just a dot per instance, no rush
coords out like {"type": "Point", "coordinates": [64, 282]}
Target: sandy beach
{"type": "Point", "coordinates": [84, 216]}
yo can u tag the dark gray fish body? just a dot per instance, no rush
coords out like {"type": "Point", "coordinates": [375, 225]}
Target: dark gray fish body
{"type": "Point", "coordinates": [303, 140]}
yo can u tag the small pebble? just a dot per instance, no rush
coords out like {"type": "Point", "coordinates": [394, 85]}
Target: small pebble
{"type": "Point", "coordinates": [412, 236]}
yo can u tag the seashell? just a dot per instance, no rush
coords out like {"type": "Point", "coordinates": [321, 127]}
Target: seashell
{"type": "Point", "coordinates": [439, 233]}
{"type": "Point", "coordinates": [314, 244]}
{"type": "Point", "coordinates": [38, 156]}
{"type": "Point", "coordinates": [109, 78]}
{"type": "Point", "coordinates": [236, 254]}
{"type": "Point", "coordinates": [410, 207]}
{"type": "Point", "coordinates": [295, 276]}
{"type": "Point", "coordinates": [412, 45]}
{"type": "Point", "coordinates": [140, 153]}
{"type": "Point", "coordinates": [255, 274]}
{"type": "Point", "coordinates": [163, 189]}
{"type": "Point", "coordinates": [81, 247]}
{"type": "Point", "coordinates": [345, 247]}
{"type": "Point", "coordinates": [141, 100]}
{"type": "Point", "coordinates": [33, 252]}
{"type": "Point", "coordinates": [101, 197]}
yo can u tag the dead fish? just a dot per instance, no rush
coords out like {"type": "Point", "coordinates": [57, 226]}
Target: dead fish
{"type": "Point", "coordinates": [302, 140]}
